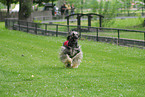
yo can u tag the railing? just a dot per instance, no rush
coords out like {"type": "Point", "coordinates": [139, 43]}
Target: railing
{"type": "Point", "coordinates": [111, 35]}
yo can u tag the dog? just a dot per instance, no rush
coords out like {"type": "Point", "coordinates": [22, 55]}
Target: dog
{"type": "Point", "coordinates": [71, 53]}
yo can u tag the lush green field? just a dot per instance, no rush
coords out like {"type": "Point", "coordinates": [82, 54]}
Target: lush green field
{"type": "Point", "coordinates": [124, 23]}
{"type": "Point", "coordinates": [30, 66]}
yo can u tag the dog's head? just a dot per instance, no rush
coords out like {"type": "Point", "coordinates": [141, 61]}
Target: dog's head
{"type": "Point", "coordinates": [74, 35]}
{"type": "Point", "coordinates": [73, 39]}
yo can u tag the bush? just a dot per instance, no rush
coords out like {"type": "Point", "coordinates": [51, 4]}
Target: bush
{"type": "Point", "coordinates": [2, 6]}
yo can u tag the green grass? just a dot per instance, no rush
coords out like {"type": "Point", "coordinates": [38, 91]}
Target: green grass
{"type": "Point", "coordinates": [114, 34]}
{"type": "Point", "coordinates": [128, 23]}
{"type": "Point", "coordinates": [30, 66]}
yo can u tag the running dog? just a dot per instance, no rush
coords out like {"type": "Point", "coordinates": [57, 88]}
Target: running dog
{"type": "Point", "coordinates": [71, 53]}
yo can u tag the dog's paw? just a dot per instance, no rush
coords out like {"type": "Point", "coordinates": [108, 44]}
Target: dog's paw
{"type": "Point", "coordinates": [69, 61]}
{"type": "Point", "coordinates": [74, 66]}
{"type": "Point", "coordinates": [68, 65]}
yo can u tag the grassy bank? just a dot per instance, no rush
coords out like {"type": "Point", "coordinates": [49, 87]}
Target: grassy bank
{"type": "Point", "coordinates": [124, 23]}
{"type": "Point", "coordinates": [30, 66]}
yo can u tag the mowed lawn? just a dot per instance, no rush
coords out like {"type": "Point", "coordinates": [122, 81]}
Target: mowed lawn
{"type": "Point", "coordinates": [30, 66]}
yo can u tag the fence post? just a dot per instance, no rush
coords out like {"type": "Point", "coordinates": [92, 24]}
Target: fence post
{"type": "Point", "coordinates": [118, 37]}
{"type": "Point", "coordinates": [100, 21]}
{"type": "Point", "coordinates": [19, 24]}
{"type": "Point", "coordinates": [27, 27]}
{"type": "Point", "coordinates": [6, 23]}
{"type": "Point", "coordinates": [97, 34]}
{"type": "Point", "coordinates": [68, 28]}
{"type": "Point", "coordinates": [13, 24]}
{"type": "Point", "coordinates": [35, 28]}
{"type": "Point", "coordinates": [45, 29]}
{"type": "Point", "coordinates": [79, 29]}
{"type": "Point", "coordinates": [56, 30]}
{"type": "Point", "coordinates": [68, 24]}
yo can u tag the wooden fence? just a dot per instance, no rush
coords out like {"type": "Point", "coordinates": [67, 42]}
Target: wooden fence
{"type": "Point", "coordinates": [110, 35]}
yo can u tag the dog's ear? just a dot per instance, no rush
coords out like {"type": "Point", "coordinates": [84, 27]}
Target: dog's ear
{"type": "Point", "coordinates": [73, 34]}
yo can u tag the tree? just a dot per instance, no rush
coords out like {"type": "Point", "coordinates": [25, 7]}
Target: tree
{"type": "Point", "coordinates": [8, 3]}
{"type": "Point", "coordinates": [2, 6]}
{"type": "Point", "coordinates": [60, 2]}
{"type": "Point", "coordinates": [45, 1]}
{"type": "Point", "coordinates": [25, 9]}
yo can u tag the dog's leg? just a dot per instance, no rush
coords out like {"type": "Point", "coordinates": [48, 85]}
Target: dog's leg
{"type": "Point", "coordinates": [75, 65]}
{"type": "Point", "coordinates": [68, 62]}
{"type": "Point", "coordinates": [76, 55]}
{"type": "Point", "coordinates": [77, 59]}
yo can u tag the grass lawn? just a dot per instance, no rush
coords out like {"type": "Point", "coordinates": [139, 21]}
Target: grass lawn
{"type": "Point", "coordinates": [128, 23]}
{"type": "Point", "coordinates": [30, 66]}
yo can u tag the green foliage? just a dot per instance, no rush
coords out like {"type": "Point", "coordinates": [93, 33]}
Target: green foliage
{"type": "Point", "coordinates": [94, 6]}
{"type": "Point", "coordinates": [127, 24]}
{"type": "Point", "coordinates": [42, 1]}
{"type": "Point", "coordinates": [7, 3]}
{"type": "Point", "coordinates": [3, 1]}
{"type": "Point", "coordinates": [78, 4]}
{"type": "Point", "coordinates": [29, 66]}
{"type": "Point", "coordinates": [2, 6]}
{"type": "Point", "coordinates": [10, 1]}
{"type": "Point", "coordinates": [141, 19]}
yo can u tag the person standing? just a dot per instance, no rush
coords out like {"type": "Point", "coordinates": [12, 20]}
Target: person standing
{"type": "Point", "coordinates": [68, 9]}
{"type": "Point", "coordinates": [72, 9]}
{"type": "Point", "coordinates": [63, 8]}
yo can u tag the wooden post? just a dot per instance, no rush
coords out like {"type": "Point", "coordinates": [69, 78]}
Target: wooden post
{"type": "Point", "coordinates": [97, 34]}
{"type": "Point", "coordinates": [45, 29]}
{"type": "Point", "coordinates": [27, 27]}
{"type": "Point", "coordinates": [19, 25]}
{"type": "Point", "coordinates": [67, 20]}
{"type": "Point", "coordinates": [89, 20]}
{"type": "Point", "coordinates": [13, 24]}
{"type": "Point", "coordinates": [118, 38]}
{"type": "Point", "coordinates": [79, 29]}
{"type": "Point", "coordinates": [68, 23]}
{"type": "Point", "coordinates": [35, 28]}
{"type": "Point", "coordinates": [100, 20]}
{"type": "Point", "coordinates": [6, 24]}
{"type": "Point", "coordinates": [79, 21]}
{"type": "Point", "coordinates": [56, 30]}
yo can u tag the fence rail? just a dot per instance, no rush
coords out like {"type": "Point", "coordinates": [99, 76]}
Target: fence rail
{"type": "Point", "coordinates": [110, 35]}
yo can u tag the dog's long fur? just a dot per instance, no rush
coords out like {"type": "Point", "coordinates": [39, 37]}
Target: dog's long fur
{"type": "Point", "coordinates": [71, 55]}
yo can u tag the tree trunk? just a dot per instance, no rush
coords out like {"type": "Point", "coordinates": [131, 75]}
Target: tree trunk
{"type": "Point", "coordinates": [25, 9]}
{"type": "Point", "coordinates": [8, 6]}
